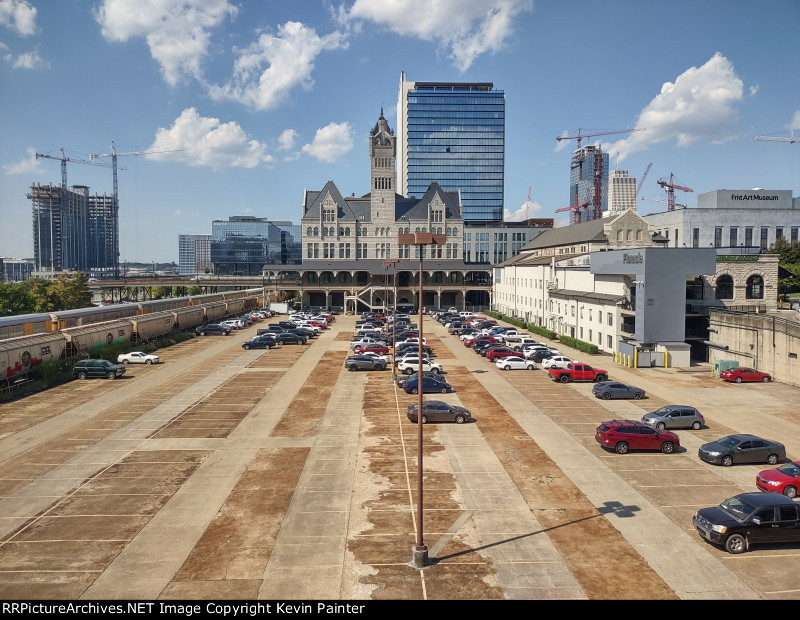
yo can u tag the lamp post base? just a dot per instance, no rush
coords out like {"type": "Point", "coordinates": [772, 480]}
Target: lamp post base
{"type": "Point", "coordinates": [419, 557]}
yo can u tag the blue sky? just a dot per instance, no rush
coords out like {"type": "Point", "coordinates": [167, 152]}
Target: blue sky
{"type": "Point", "coordinates": [268, 98]}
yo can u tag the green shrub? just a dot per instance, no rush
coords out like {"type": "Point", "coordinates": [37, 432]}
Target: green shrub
{"type": "Point", "coordinates": [542, 331]}
{"type": "Point", "coordinates": [585, 347]}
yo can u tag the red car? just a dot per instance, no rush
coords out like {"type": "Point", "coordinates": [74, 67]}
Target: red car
{"type": "Point", "coordinates": [496, 353]}
{"type": "Point", "coordinates": [625, 435]}
{"type": "Point", "coordinates": [472, 341]}
{"type": "Point", "coordinates": [744, 374]}
{"type": "Point", "coordinates": [320, 324]}
{"type": "Point", "coordinates": [372, 348]}
{"type": "Point", "coordinates": [784, 479]}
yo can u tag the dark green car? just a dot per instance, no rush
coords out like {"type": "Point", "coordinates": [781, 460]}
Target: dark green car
{"type": "Point", "coordinates": [90, 369]}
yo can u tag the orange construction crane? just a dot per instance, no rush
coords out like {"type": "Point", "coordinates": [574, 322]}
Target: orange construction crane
{"type": "Point", "coordinates": [576, 210]}
{"type": "Point", "coordinates": [670, 188]}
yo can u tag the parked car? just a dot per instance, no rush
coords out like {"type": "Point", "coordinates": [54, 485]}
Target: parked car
{"type": "Point", "coordinates": [514, 362]}
{"type": "Point", "coordinates": [438, 411]}
{"type": "Point", "coordinates": [260, 342]}
{"type": "Point", "coordinates": [412, 365]}
{"type": "Point", "coordinates": [557, 361]}
{"type": "Point", "coordinates": [88, 369]}
{"type": "Point", "coordinates": [213, 329]}
{"type": "Point", "coordinates": [578, 372]}
{"type": "Point", "coordinates": [374, 348]}
{"type": "Point", "coordinates": [784, 479]}
{"type": "Point", "coordinates": [622, 436]}
{"type": "Point", "coordinates": [749, 518]}
{"type": "Point", "coordinates": [674, 416]}
{"type": "Point", "coordinates": [496, 353]}
{"type": "Point", "coordinates": [742, 449]}
{"type": "Point", "coordinates": [613, 389]}
{"type": "Point", "coordinates": [402, 380]}
{"type": "Point", "coordinates": [363, 362]}
{"type": "Point", "coordinates": [743, 374]}
{"type": "Point", "coordinates": [137, 357]}
{"type": "Point", "coordinates": [429, 385]}
{"type": "Point", "coordinates": [290, 338]}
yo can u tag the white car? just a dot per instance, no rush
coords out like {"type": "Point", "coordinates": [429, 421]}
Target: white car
{"type": "Point", "coordinates": [559, 361]}
{"type": "Point", "coordinates": [410, 341]}
{"type": "Point", "coordinates": [514, 362]}
{"type": "Point", "coordinates": [412, 365]}
{"type": "Point", "coordinates": [314, 328]}
{"type": "Point", "coordinates": [383, 358]}
{"type": "Point", "coordinates": [408, 357]}
{"type": "Point", "coordinates": [137, 357]}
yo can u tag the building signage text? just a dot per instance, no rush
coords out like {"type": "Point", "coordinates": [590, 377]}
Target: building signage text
{"type": "Point", "coordinates": [630, 259]}
{"type": "Point", "coordinates": [737, 258]}
{"type": "Point", "coordinates": [753, 197]}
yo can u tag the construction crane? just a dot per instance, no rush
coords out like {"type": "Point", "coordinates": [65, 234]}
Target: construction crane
{"type": "Point", "coordinates": [597, 182]}
{"type": "Point", "coordinates": [580, 136]}
{"type": "Point", "coordinates": [64, 159]}
{"type": "Point", "coordinates": [576, 210]}
{"type": "Point", "coordinates": [113, 155]}
{"type": "Point", "coordinates": [677, 204]}
{"type": "Point", "coordinates": [528, 204]}
{"type": "Point", "coordinates": [670, 188]}
{"type": "Point", "coordinates": [791, 139]}
{"type": "Point", "coordinates": [641, 182]}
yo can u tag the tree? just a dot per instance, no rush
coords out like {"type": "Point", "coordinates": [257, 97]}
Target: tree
{"type": "Point", "coordinates": [42, 295]}
{"type": "Point", "coordinates": [71, 290]}
{"type": "Point", "coordinates": [14, 299]}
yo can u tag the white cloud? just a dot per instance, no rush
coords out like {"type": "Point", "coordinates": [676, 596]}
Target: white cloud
{"type": "Point", "coordinates": [269, 69]}
{"type": "Point", "coordinates": [523, 213]}
{"type": "Point", "coordinates": [25, 166]}
{"type": "Point", "coordinates": [178, 212]}
{"type": "Point", "coordinates": [700, 104]}
{"type": "Point", "coordinates": [205, 141]}
{"type": "Point", "coordinates": [753, 90]}
{"type": "Point", "coordinates": [467, 28]}
{"type": "Point", "coordinates": [27, 60]}
{"type": "Point", "coordinates": [18, 15]}
{"type": "Point", "coordinates": [562, 144]}
{"type": "Point", "coordinates": [331, 142]}
{"type": "Point", "coordinates": [287, 139]}
{"type": "Point", "coordinates": [795, 122]}
{"type": "Point", "coordinates": [177, 31]}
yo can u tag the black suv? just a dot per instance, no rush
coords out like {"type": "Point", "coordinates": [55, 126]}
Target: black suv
{"type": "Point", "coordinates": [86, 369]}
{"type": "Point", "coordinates": [749, 518]}
{"type": "Point", "coordinates": [290, 338]}
{"type": "Point", "coordinates": [213, 329]}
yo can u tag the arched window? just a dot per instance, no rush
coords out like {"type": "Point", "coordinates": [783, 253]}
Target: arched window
{"type": "Point", "coordinates": [316, 231]}
{"type": "Point", "coordinates": [363, 231]}
{"type": "Point", "coordinates": [724, 287]}
{"type": "Point", "coordinates": [619, 235]}
{"type": "Point", "coordinates": [449, 231]}
{"type": "Point", "coordinates": [455, 231]}
{"type": "Point", "coordinates": [755, 287]}
{"type": "Point", "coordinates": [416, 230]}
{"type": "Point", "coordinates": [638, 234]}
{"type": "Point", "coordinates": [347, 231]}
{"type": "Point", "coordinates": [628, 235]}
{"type": "Point", "coordinates": [308, 232]}
{"type": "Point", "coordinates": [341, 230]}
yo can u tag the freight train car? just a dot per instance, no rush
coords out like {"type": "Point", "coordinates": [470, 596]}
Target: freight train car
{"type": "Point", "coordinates": [89, 337]}
{"type": "Point", "coordinates": [234, 307]}
{"type": "Point", "coordinates": [214, 311]}
{"type": "Point", "coordinates": [86, 316]}
{"type": "Point", "coordinates": [20, 355]}
{"type": "Point", "coordinates": [189, 318]}
{"type": "Point", "coordinates": [24, 325]}
{"type": "Point", "coordinates": [153, 325]}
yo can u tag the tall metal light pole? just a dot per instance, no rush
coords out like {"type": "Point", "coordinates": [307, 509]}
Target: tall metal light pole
{"type": "Point", "coordinates": [392, 262]}
{"type": "Point", "coordinates": [419, 552]}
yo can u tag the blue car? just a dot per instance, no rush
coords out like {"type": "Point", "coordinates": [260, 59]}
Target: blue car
{"type": "Point", "coordinates": [429, 385]}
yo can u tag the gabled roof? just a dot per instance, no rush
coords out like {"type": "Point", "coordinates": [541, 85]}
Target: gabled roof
{"type": "Point", "coordinates": [314, 202]}
{"type": "Point", "coordinates": [419, 211]}
{"type": "Point", "coordinates": [585, 232]}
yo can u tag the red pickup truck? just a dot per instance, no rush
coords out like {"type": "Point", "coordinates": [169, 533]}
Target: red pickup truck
{"type": "Point", "coordinates": [577, 372]}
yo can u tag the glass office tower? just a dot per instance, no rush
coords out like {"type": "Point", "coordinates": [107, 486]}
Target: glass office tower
{"type": "Point", "coordinates": [453, 133]}
{"type": "Point", "coordinates": [243, 245]}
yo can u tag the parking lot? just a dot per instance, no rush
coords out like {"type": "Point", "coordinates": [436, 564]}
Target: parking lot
{"type": "Point", "coordinates": [277, 474]}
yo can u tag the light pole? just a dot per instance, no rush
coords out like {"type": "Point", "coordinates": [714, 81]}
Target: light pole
{"type": "Point", "coordinates": [392, 262]}
{"type": "Point", "coordinates": [419, 552]}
